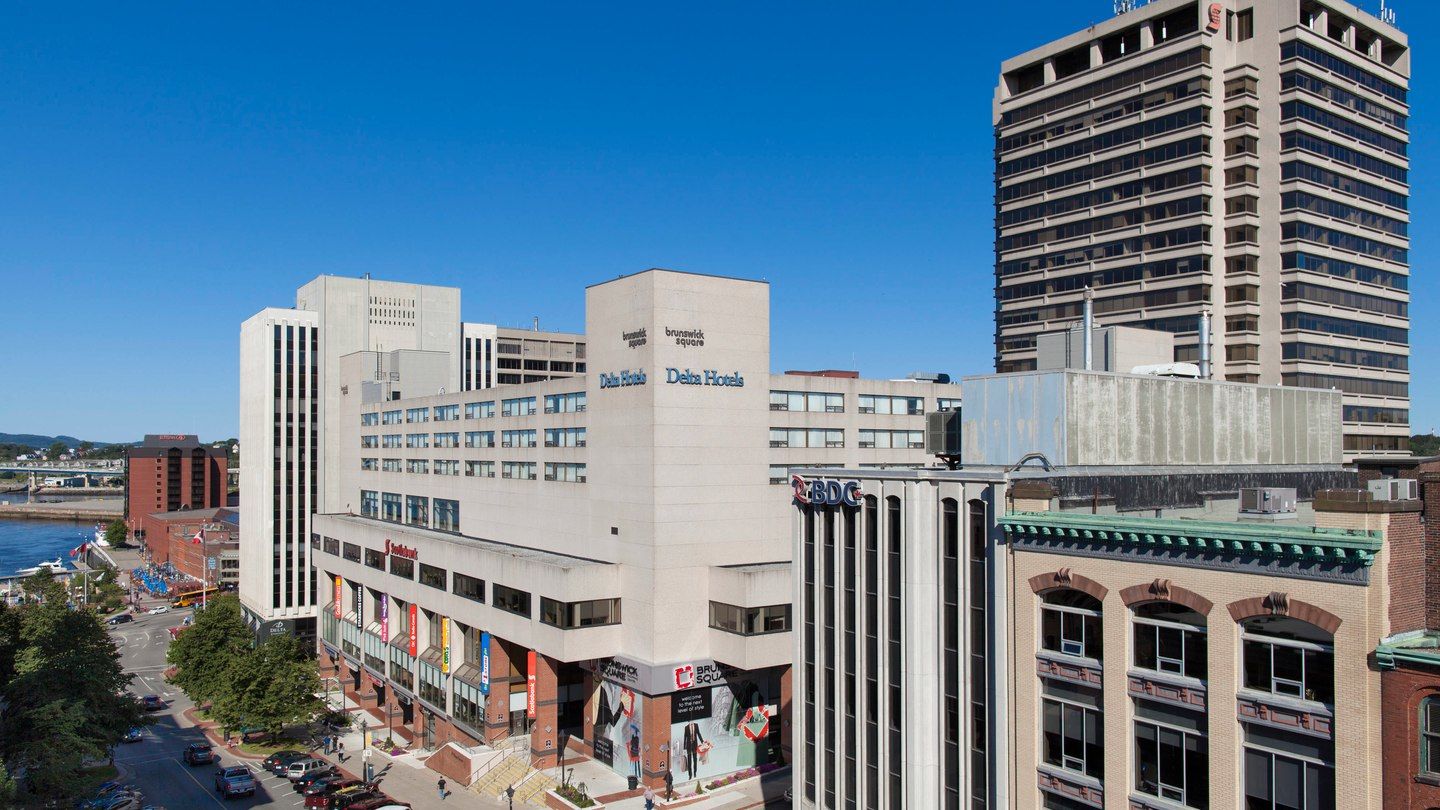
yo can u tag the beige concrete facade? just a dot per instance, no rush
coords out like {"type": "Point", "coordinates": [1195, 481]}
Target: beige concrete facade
{"type": "Point", "coordinates": [1253, 164]}
{"type": "Point", "coordinates": [1356, 719]}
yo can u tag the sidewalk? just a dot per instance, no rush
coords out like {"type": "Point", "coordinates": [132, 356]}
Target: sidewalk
{"type": "Point", "coordinates": [404, 777]}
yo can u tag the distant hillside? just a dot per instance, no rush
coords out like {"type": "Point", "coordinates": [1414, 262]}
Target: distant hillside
{"type": "Point", "coordinates": [40, 442]}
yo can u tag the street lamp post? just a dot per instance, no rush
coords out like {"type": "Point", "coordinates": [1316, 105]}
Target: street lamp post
{"type": "Point", "coordinates": [365, 749]}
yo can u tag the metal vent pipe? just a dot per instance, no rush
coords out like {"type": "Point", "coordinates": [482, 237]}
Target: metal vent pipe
{"type": "Point", "coordinates": [1205, 344]}
{"type": "Point", "coordinates": [1089, 326]}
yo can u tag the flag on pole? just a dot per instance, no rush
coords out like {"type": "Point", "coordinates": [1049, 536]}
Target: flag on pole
{"type": "Point", "coordinates": [199, 536]}
{"type": "Point", "coordinates": [80, 549]}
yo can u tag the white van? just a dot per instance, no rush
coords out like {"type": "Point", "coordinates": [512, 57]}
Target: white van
{"type": "Point", "coordinates": [300, 767]}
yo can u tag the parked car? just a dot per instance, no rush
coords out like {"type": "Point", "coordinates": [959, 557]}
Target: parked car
{"type": "Point", "coordinates": [332, 782]}
{"type": "Point", "coordinates": [400, 806]}
{"type": "Point", "coordinates": [153, 703]}
{"type": "Point", "coordinates": [300, 767]}
{"type": "Point", "coordinates": [325, 799]}
{"type": "Point", "coordinates": [132, 736]}
{"type": "Point", "coordinates": [199, 754]}
{"type": "Point", "coordinates": [380, 800]}
{"type": "Point", "coordinates": [123, 618]}
{"type": "Point", "coordinates": [279, 762]}
{"type": "Point", "coordinates": [235, 781]}
{"type": "Point", "coordinates": [158, 609]}
{"type": "Point", "coordinates": [317, 775]}
{"type": "Point", "coordinates": [345, 801]}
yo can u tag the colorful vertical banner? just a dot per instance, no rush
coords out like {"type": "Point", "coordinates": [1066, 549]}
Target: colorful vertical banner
{"type": "Point", "coordinates": [484, 663]}
{"type": "Point", "coordinates": [444, 645]}
{"type": "Point", "coordinates": [359, 605]}
{"type": "Point", "coordinates": [530, 685]}
{"type": "Point", "coordinates": [414, 629]}
{"type": "Point", "coordinates": [339, 596]}
{"type": "Point", "coordinates": [385, 617]}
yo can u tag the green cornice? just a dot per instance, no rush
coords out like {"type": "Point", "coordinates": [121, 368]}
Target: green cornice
{"type": "Point", "coordinates": [1270, 541]}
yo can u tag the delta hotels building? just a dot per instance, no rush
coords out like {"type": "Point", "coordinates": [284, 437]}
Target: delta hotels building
{"type": "Point", "coordinates": [600, 562]}
{"type": "Point", "coordinates": [1249, 158]}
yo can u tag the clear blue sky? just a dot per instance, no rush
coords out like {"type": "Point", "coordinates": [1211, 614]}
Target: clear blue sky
{"type": "Point", "coordinates": [166, 173]}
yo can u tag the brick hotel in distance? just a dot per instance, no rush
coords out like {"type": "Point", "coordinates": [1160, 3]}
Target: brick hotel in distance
{"type": "Point", "coordinates": [599, 562]}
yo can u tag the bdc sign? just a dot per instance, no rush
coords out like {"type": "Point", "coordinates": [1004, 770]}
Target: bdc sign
{"type": "Point", "coordinates": [822, 492]}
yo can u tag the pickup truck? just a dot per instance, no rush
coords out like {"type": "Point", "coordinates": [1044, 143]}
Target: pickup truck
{"type": "Point", "coordinates": [236, 780]}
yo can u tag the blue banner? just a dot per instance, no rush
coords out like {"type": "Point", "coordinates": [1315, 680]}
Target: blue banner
{"type": "Point", "coordinates": [484, 663]}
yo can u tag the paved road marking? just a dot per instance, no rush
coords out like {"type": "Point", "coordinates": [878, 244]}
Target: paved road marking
{"type": "Point", "coordinates": [204, 789]}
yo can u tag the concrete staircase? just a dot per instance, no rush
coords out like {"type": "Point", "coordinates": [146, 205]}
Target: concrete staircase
{"type": "Point", "coordinates": [532, 790]}
{"type": "Point", "coordinates": [508, 771]}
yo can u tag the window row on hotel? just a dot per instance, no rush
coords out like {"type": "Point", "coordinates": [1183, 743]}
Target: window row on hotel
{"type": "Point", "coordinates": [827, 402]}
{"type": "Point", "coordinates": [517, 406]}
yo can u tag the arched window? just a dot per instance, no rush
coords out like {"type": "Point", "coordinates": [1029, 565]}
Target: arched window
{"type": "Point", "coordinates": [1430, 736]}
{"type": "Point", "coordinates": [1070, 623]}
{"type": "Point", "coordinates": [1289, 657]}
{"type": "Point", "coordinates": [1170, 638]}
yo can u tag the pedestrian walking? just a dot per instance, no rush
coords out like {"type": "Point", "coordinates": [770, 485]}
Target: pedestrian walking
{"type": "Point", "coordinates": [325, 744]}
{"type": "Point", "coordinates": [669, 784]}
{"type": "Point", "coordinates": [340, 750]}
{"type": "Point", "coordinates": [649, 798]}
{"type": "Point", "coordinates": [441, 784]}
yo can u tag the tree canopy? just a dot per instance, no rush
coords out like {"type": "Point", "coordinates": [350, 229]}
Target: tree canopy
{"type": "Point", "coordinates": [64, 698]}
{"type": "Point", "coordinates": [268, 686]}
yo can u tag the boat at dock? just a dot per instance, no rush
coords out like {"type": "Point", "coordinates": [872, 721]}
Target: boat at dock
{"type": "Point", "coordinates": [55, 566]}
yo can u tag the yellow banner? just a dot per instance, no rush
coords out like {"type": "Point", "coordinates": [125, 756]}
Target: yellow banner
{"type": "Point", "coordinates": [445, 645]}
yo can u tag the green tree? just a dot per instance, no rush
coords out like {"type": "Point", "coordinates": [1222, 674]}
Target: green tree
{"type": "Point", "coordinates": [272, 687]}
{"type": "Point", "coordinates": [206, 654]}
{"type": "Point", "coordinates": [85, 447]}
{"type": "Point", "coordinates": [43, 586]}
{"type": "Point", "coordinates": [56, 450]}
{"type": "Point", "coordinates": [66, 700]}
{"type": "Point", "coordinates": [1424, 444]}
{"type": "Point", "coordinates": [116, 533]}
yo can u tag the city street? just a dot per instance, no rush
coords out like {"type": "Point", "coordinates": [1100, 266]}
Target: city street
{"type": "Point", "coordinates": [154, 763]}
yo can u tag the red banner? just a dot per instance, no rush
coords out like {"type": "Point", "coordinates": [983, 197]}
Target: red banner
{"type": "Point", "coordinates": [414, 629]}
{"type": "Point", "coordinates": [530, 685]}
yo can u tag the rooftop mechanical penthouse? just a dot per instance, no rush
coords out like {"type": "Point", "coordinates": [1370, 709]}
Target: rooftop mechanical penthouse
{"type": "Point", "coordinates": [599, 562]}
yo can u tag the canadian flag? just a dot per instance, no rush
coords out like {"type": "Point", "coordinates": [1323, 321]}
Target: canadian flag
{"type": "Point", "coordinates": [199, 536]}
{"type": "Point", "coordinates": [80, 549]}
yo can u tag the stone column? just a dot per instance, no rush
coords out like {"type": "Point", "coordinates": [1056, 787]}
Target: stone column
{"type": "Point", "coordinates": [545, 730]}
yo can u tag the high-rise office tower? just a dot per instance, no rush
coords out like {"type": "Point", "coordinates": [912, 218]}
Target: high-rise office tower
{"type": "Point", "coordinates": [1247, 158]}
{"type": "Point", "coordinates": [287, 357]}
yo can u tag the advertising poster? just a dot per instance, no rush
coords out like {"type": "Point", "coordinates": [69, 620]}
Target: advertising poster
{"type": "Point", "coordinates": [339, 596]}
{"type": "Point", "coordinates": [444, 645]}
{"type": "Point", "coordinates": [484, 663]}
{"type": "Point", "coordinates": [617, 728]}
{"type": "Point", "coordinates": [720, 729]}
{"type": "Point", "coordinates": [385, 616]}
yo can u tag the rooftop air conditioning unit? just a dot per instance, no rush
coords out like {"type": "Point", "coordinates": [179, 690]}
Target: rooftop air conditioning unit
{"type": "Point", "coordinates": [1267, 502]}
{"type": "Point", "coordinates": [942, 433]}
{"type": "Point", "coordinates": [1394, 489]}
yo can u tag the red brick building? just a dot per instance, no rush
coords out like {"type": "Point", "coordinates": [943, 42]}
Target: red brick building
{"type": "Point", "coordinates": [171, 538]}
{"type": "Point", "coordinates": [1409, 658]}
{"type": "Point", "coordinates": [172, 472]}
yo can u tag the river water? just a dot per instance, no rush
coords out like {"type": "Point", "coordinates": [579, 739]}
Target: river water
{"type": "Point", "coordinates": [24, 543]}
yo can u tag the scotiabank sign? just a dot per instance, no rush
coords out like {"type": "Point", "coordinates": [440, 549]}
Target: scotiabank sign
{"type": "Point", "coordinates": [400, 551]}
{"type": "Point", "coordinates": [825, 492]}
